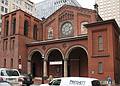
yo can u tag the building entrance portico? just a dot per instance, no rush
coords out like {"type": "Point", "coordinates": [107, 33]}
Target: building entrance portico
{"type": "Point", "coordinates": [55, 63]}
{"type": "Point", "coordinates": [37, 64]}
{"type": "Point", "coordinates": [77, 62]}
{"type": "Point", "coordinates": [74, 63]}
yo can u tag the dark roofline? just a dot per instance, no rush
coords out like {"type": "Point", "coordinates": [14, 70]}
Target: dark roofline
{"type": "Point", "coordinates": [21, 11]}
{"type": "Point", "coordinates": [105, 22]}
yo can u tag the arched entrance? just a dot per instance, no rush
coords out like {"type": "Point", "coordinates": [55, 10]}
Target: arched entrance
{"type": "Point", "coordinates": [55, 63]}
{"type": "Point", "coordinates": [77, 62]}
{"type": "Point", "coordinates": [37, 64]}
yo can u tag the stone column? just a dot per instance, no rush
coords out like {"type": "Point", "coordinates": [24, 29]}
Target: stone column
{"type": "Point", "coordinates": [29, 67]}
{"type": "Point", "coordinates": [65, 68]}
{"type": "Point", "coordinates": [45, 68]}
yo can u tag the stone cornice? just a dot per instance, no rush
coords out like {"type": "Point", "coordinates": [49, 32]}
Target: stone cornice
{"type": "Point", "coordinates": [46, 42]}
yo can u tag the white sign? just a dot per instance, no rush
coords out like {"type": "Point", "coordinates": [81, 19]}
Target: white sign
{"type": "Point", "coordinates": [56, 63]}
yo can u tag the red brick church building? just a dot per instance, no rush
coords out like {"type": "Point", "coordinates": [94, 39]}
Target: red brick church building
{"type": "Point", "coordinates": [73, 41]}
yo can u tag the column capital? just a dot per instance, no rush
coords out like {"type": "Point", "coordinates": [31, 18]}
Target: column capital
{"type": "Point", "coordinates": [43, 56]}
{"type": "Point", "coordinates": [65, 59]}
{"type": "Point", "coordinates": [45, 59]}
{"type": "Point", "coordinates": [29, 60]}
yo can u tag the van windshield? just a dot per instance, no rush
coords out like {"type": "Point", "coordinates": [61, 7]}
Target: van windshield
{"type": "Point", "coordinates": [9, 73]}
{"type": "Point", "coordinates": [96, 83]}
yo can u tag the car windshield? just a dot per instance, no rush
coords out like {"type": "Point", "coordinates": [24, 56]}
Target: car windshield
{"type": "Point", "coordinates": [9, 73]}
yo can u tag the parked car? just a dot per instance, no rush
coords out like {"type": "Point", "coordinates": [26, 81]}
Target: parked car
{"type": "Point", "coordinates": [27, 79]}
{"type": "Point", "coordinates": [5, 83]}
{"type": "Point", "coordinates": [73, 81]}
{"type": "Point", "coordinates": [11, 75]}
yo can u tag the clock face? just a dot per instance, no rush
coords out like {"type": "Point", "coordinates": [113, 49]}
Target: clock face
{"type": "Point", "coordinates": [67, 29]}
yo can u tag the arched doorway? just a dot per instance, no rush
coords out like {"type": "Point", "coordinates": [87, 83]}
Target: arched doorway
{"type": "Point", "coordinates": [77, 62]}
{"type": "Point", "coordinates": [37, 64]}
{"type": "Point", "coordinates": [55, 63]}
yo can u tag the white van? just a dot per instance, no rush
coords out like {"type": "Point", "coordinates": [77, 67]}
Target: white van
{"type": "Point", "coordinates": [73, 81]}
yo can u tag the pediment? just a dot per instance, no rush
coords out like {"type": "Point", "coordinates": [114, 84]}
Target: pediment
{"type": "Point", "coordinates": [67, 12]}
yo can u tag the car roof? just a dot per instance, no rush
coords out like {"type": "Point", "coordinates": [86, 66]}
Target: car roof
{"type": "Point", "coordinates": [7, 69]}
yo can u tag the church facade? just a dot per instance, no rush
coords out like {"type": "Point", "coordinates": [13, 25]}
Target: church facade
{"type": "Point", "coordinates": [73, 41]}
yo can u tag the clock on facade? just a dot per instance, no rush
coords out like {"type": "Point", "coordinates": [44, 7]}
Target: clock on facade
{"type": "Point", "coordinates": [67, 29]}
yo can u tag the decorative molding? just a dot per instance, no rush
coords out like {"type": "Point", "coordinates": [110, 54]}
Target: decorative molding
{"type": "Point", "coordinates": [84, 14]}
{"type": "Point", "coordinates": [43, 47]}
{"type": "Point", "coordinates": [66, 15]}
{"type": "Point", "coordinates": [102, 55]}
{"type": "Point", "coordinates": [67, 39]}
{"type": "Point", "coordinates": [64, 45]}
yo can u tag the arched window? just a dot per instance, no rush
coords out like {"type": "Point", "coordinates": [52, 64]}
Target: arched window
{"type": "Point", "coordinates": [26, 28]}
{"type": "Point", "coordinates": [13, 26]}
{"type": "Point", "coordinates": [4, 62]}
{"type": "Point", "coordinates": [7, 27]}
{"type": "Point", "coordinates": [35, 29]}
{"type": "Point", "coordinates": [12, 44]}
{"type": "Point", "coordinates": [11, 63]}
{"type": "Point", "coordinates": [83, 28]}
{"type": "Point", "coordinates": [6, 45]}
{"type": "Point", "coordinates": [50, 33]}
{"type": "Point", "coordinates": [100, 43]}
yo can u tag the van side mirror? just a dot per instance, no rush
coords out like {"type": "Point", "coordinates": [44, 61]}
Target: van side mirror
{"type": "Point", "coordinates": [96, 83]}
